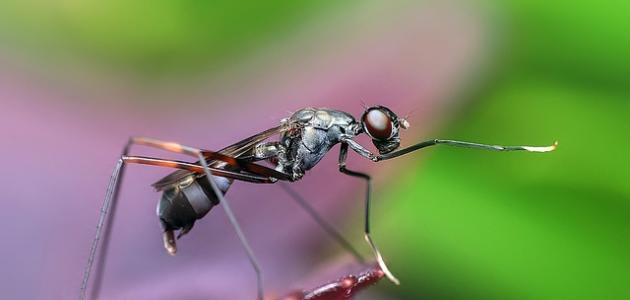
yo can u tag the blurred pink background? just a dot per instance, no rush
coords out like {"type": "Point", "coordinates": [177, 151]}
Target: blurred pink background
{"type": "Point", "coordinates": [63, 123]}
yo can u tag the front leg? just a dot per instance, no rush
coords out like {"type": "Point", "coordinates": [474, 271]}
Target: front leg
{"type": "Point", "coordinates": [373, 157]}
{"type": "Point", "coordinates": [345, 141]}
{"type": "Point", "coordinates": [348, 142]}
{"type": "Point", "coordinates": [343, 154]}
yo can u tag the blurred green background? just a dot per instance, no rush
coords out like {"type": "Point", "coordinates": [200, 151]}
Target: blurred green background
{"type": "Point", "coordinates": [452, 223]}
{"type": "Point", "coordinates": [157, 38]}
{"type": "Point", "coordinates": [478, 225]}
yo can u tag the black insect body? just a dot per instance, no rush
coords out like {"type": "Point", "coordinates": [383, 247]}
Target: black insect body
{"type": "Point", "coordinates": [305, 138]}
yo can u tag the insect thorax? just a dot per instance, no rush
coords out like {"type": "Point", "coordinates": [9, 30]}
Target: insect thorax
{"type": "Point", "coordinates": [320, 130]}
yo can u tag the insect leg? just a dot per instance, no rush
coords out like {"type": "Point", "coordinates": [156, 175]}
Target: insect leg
{"type": "Point", "coordinates": [274, 150]}
{"type": "Point", "coordinates": [235, 224]}
{"type": "Point", "coordinates": [369, 155]}
{"type": "Point", "coordinates": [108, 211]}
{"type": "Point", "coordinates": [465, 145]}
{"type": "Point", "coordinates": [111, 198]}
{"type": "Point", "coordinates": [198, 153]}
{"type": "Point", "coordinates": [105, 220]}
{"type": "Point", "coordinates": [195, 168]}
{"type": "Point", "coordinates": [343, 154]}
{"type": "Point", "coordinates": [327, 227]}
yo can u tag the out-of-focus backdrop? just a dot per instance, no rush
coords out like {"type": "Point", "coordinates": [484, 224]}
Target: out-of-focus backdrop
{"type": "Point", "coordinates": [77, 78]}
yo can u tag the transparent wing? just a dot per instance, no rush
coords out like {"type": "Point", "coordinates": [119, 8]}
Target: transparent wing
{"type": "Point", "coordinates": [235, 150]}
{"type": "Point", "coordinates": [245, 146]}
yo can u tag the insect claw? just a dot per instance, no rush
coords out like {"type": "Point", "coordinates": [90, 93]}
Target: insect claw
{"type": "Point", "coordinates": [542, 149]}
{"type": "Point", "coordinates": [381, 262]}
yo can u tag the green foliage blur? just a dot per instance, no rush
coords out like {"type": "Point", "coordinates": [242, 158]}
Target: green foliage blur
{"type": "Point", "coordinates": [151, 38]}
{"type": "Point", "coordinates": [466, 224]}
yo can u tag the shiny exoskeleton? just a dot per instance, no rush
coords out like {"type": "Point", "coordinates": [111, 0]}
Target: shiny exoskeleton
{"type": "Point", "coordinates": [314, 132]}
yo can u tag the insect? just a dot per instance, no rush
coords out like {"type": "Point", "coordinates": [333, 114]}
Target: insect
{"type": "Point", "coordinates": [305, 137]}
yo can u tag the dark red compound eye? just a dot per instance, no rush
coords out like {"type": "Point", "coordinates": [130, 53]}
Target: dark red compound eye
{"type": "Point", "coordinates": [378, 124]}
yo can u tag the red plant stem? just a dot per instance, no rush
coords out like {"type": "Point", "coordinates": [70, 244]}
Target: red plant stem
{"type": "Point", "coordinates": [343, 288]}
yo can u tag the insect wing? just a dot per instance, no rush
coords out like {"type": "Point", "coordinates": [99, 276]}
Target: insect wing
{"type": "Point", "coordinates": [235, 150]}
{"type": "Point", "coordinates": [247, 145]}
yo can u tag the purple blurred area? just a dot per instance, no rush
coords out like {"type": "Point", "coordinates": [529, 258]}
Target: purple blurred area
{"type": "Point", "coordinates": [62, 127]}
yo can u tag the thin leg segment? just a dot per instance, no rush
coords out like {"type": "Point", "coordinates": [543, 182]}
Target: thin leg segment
{"type": "Point", "coordinates": [237, 227]}
{"type": "Point", "coordinates": [111, 196]}
{"type": "Point", "coordinates": [195, 168]}
{"type": "Point", "coordinates": [327, 227]}
{"type": "Point", "coordinates": [356, 147]}
{"type": "Point", "coordinates": [466, 145]}
{"type": "Point", "coordinates": [343, 154]}
{"type": "Point", "coordinates": [107, 220]}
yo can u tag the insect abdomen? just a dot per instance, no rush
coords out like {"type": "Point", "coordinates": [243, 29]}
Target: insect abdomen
{"type": "Point", "coordinates": [182, 205]}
